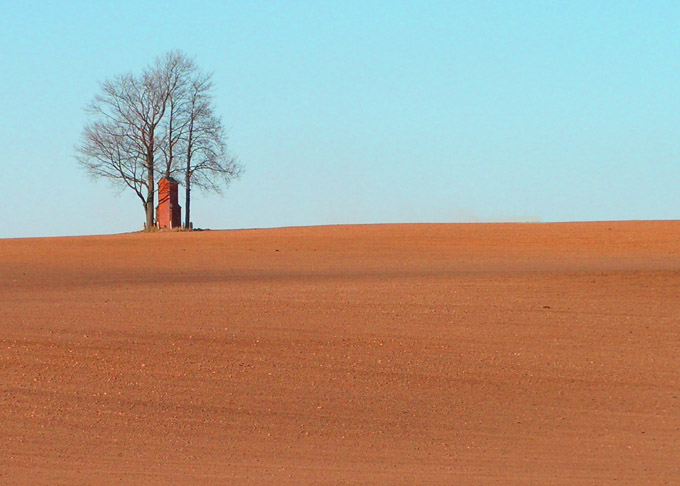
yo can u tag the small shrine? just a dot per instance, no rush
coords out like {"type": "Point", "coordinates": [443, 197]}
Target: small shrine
{"type": "Point", "coordinates": [168, 211]}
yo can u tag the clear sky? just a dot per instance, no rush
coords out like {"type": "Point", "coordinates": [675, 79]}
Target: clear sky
{"type": "Point", "coordinates": [361, 112]}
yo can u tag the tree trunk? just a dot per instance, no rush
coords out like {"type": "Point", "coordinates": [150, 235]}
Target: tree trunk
{"type": "Point", "coordinates": [187, 203]}
{"type": "Point", "coordinates": [151, 186]}
{"type": "Point", "coordinates": [187, 177]}
{"type": "Point", "coordinates": [148, 208]}
{"type": "Point", "coordinates": [168, 165]}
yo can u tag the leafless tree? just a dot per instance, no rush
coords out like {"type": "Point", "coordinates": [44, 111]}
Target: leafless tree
{"type": "Point", "coordinates": [164, 112]}
{"type": "Point", "coordinates": [120, 143]}
{"type": "Point", "coordinates": [208, 163]}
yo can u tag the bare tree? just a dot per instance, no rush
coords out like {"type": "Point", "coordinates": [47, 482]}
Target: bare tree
{"type": "Point", "coordinates": [120, 143]}
{"type": "Point", "coordinates": [166, 109]}
{"type": "Point", "coordinates": [208, 163]}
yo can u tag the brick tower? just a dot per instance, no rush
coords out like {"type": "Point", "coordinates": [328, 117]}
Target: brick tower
{"type": "Point", "coordinates": [168, 211]}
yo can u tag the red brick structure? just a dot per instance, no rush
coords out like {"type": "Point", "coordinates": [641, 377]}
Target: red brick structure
{"type": "Point", "coordinates": [168, 211]}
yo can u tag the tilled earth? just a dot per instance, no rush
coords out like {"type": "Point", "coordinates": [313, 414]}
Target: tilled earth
{"type": "Point", "coordinates": [387, 354]}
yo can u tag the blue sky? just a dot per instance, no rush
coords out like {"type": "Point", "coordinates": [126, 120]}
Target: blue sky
{"type": "Point", "coordinates": [361, 112]}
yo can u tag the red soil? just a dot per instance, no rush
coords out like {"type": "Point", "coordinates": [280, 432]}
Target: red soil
{"type": "Point", "coordinates": [400, 354]}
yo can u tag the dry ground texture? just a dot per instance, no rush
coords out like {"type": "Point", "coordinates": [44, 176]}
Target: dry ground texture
{"type": "Point", "coordinates": [396, 354]}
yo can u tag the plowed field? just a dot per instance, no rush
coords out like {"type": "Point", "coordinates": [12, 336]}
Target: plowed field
{"type": "Point", "coordinates": [387, 354]}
